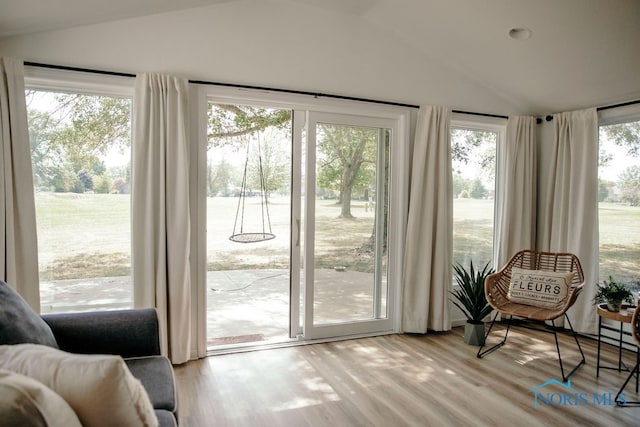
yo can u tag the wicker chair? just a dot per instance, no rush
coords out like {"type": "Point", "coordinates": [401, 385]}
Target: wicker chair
{"type": "Point", "coordinates": [635, 333]}
{"type": "Point", "coordinates": [496, 288]}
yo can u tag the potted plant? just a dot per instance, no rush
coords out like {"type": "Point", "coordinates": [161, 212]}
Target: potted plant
{"type": "Point", "coordinates": [470, 299]}
{"type": "Point", "coordinates": [613, 293]}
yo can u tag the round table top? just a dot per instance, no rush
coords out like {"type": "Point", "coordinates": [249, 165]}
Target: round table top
{"type": "Point", "coordinates": [621, 316]}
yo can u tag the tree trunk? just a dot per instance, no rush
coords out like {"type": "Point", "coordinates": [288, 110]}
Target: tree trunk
{"type": "Point", "coordinates": [346, 190]}
{"type": "Point", "coordinates": [345, 195]}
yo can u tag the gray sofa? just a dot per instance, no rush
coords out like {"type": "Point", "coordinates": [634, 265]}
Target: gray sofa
{"type": "Point", "coordinates": [132, 334]}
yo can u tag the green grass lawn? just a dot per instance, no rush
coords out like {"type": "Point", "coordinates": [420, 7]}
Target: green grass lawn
{"type": "Point", "coordinates": [83, 235]}
{"type": "Point", "coordinates": [88, 235]}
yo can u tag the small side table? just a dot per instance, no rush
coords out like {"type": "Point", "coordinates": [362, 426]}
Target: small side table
{"type": "Point", "coordinates": [623, 317]}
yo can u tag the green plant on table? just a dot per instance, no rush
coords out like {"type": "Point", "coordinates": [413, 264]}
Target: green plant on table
{"type": "Point", "coordinates": [613, 293]}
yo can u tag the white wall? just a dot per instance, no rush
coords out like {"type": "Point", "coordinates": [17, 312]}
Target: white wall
{"type": "Point", "coordinates": [285, 45]}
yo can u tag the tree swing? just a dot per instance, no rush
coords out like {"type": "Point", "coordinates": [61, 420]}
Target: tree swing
{"type": "Point", "coordinates": [252, 237]}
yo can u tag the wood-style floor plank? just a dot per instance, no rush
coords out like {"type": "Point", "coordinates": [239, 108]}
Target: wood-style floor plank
{"type": "Point", "coordinates": [402, 380]}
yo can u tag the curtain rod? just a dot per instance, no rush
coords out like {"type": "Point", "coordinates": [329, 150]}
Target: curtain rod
{"type": "Point", "coordinates": [302, 92]}
{"type": "Point", "coordinates": [241, 86]}
{"type": "Point", "coordinates": [549, 117]}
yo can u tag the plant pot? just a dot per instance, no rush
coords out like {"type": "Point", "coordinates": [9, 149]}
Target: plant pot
{"type": "Point", "coordinates": [614, 305]}
{"type": "Point", "coordinates": [473, 333]}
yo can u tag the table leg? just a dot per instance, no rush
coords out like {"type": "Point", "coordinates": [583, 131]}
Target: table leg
{"type": "Point", "coordinates": [599, 337]}
{"type": "Point", "coordinates": [620, 348]}
{"type": "Point", "coordinates": [637, 365]}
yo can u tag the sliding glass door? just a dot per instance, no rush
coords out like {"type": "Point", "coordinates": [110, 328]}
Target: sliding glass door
{"type": "Point", "coordinates": [316, 186]}
{"type": "Point", "coordinates": [345, 214]}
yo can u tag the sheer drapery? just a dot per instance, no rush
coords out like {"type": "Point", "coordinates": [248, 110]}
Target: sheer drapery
{"type": "Point", "coordinates": [516, 193]}
{"type": "Point", "coordinates": [18, 237]}
{"type": "Point", "coordinates": [569, 215]}
{"type": "Point", "coordinates": [160, 208]}
{"type": "Point", "coordinates": [429, 242]}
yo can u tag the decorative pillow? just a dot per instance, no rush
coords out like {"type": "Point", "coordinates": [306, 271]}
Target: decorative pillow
{"type": "Point", "coordinates": [100, 388]}
{"type": "Point", "coordinates": [546, 289]}
{"type": "Point", "coordinates": [28, 403]}
{"type": "Point", "coordinates": [19, 323]}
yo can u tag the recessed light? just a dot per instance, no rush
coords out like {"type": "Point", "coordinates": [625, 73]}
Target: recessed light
{"type": "Point", "coordinates": [520, 33]}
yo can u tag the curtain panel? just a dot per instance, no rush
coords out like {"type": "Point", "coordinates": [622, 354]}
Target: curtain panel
{"type": "Point", "coordinates": [516, 195]}
{"type": "Point", "coordinates": [18, 236]}
{"type": "Point", "coordinates": [160, 208]}
{"type": "Point", "coordinates": [427, 270]}
{"type": "Point", "coordinates": [569, 213]}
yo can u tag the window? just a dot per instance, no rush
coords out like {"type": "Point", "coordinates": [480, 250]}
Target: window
{"type": "Point", "coordinates": [473, 154]}
{"type": "Point", "coordinates": [80, 148]}
{"type": "Point", "coordinates": [619, 202]}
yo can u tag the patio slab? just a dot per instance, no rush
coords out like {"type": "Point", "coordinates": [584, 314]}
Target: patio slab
{"type": "Point", "coordinates": [242, 305]}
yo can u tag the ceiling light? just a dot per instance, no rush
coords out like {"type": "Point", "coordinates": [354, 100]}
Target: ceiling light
{"type": "Point", "coordinates": [520, 33]}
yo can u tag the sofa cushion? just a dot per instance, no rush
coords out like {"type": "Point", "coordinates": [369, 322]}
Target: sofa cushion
{"type": "Point", "coordinates": [19, 323]}
{"type": "Point", "coordinates": [539, 288]}
{"type": "Point", "coordinates": [26, 402]}
{"type": "Point", "coordinates": [166, 418]}
{"type": "Point", "coordinates": [100, 388]}
{"type": "Point", "coordinates": [156, 375]}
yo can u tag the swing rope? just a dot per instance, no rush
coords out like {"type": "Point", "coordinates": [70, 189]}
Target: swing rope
{"type": "Point", "coordinates": [252, 237]}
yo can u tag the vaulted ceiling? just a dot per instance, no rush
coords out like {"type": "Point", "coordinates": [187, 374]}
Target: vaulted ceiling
{"type": "Point", "coordinates": [579, 53]}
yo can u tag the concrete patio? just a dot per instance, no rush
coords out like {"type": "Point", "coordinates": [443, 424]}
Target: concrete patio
{"type": "Point", "coordinates": [243, 306]}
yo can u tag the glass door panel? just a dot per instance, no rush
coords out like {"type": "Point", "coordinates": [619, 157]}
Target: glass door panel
{"type": "Point", "coordinates": [249, 206]}
{"type": "Point", "coordinates": [346, 269]}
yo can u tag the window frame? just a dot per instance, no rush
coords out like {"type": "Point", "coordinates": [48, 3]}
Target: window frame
{"type": "Point", "coordinates": [484, 124]}
{"type": "Point", "coordinates": [498, 126]}
{"type": "Point", "coordinates": [613, 116]}
{"type": "Point", "coordinates": [84, 83]}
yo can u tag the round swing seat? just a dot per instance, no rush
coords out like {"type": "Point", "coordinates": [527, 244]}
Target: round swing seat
{"type": "Point", "coordinates": [251, 237]}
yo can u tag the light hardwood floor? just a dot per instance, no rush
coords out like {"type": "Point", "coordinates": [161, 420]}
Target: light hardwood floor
{"type": "Point", "coordinates": [403, 380]}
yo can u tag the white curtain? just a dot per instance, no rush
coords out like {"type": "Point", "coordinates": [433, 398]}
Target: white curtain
{"type": "Point", "coordinates": [18, 237]}
{"type": "Point", "coordinates": [429, 243]}
{"type": "Point", "coordinates": [516, 202]}
{"type": "Point", "coordinates": [571, 206]}
{"type": "Point", "coordinates": [160, 206]}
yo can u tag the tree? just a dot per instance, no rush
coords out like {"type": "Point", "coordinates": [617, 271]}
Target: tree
{"type": "Point", "coordinates": [63, 179]}
{"type": "Point", "coordinates": [93, 125]}
{"type": "Point", "coordinates": [603, 190]}
{"type": "Point", "coordinates": [625, 135]}
{"type": "Point", "coordinates": [477, 190]}
{"type": "Point", "coordinates": [480, 145]}
{"type": "Point", "coordinates": [219, 177]}
{"type": "Point", "coordinates": [102, 184]}
{"type": "Point", "coordinates": [460, 184]}
{"type": "Point", "coordinates": [274, 161]}
{"type": "Point", "coordinates": [629, 185]}
{"type": "Point", "coordinates": [343, 150]}
{"type": "Point", "coordinates": [46, 156]}
{"type": "Point", "coordinates": [228, 122]}
{"type": "Point", "coordinates": [73, 134]}
{"type": "Point", "coordinates": [86, 179]}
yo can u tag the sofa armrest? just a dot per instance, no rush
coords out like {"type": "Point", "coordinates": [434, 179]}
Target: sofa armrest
{"type": "Point", "coordinates": [128, 333]}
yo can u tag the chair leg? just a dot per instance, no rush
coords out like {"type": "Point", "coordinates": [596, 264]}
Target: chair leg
{"type": "Point", "coordinates": [620, 400]}
{"type": "Point", "coordinates": [500, 344]}
{"type": "Point", "coordinates": [575, 337]}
